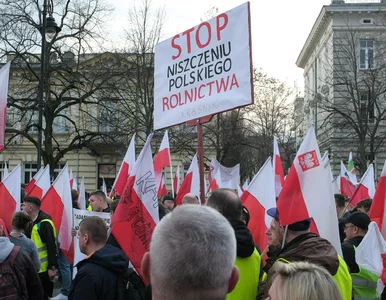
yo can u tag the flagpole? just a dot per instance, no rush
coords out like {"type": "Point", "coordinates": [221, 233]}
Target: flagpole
{"type": "Point", "coordinates": [171, 176]}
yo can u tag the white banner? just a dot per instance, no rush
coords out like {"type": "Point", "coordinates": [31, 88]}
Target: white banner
{"type": "Point", "coordinates": [204, 70]}
{"type": "Point", "coordinates": [79, 215]}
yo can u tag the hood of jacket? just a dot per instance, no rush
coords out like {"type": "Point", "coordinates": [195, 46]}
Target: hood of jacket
{"type": "Point", "coordinates": [309, 247]}
{"type": "Point", "coordinates": [5, 248]}
{"type": "Point", "coordinates": [108, 257]}
{"type": "Point", "coordinates": [244, 239]}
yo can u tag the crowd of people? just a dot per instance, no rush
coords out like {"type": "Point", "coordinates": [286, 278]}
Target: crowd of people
{"type": "Point", "coordinates": [196, 252]}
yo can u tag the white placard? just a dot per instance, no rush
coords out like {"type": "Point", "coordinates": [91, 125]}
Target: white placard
{"type": "Point", "coordinates": [79, 215]}
{"type": "Point", "coordinates": [204, 70]}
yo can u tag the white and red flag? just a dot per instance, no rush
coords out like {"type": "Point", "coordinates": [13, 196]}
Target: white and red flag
{"type": "Point", "coordinates": [58, 204]}
{"type": "Point", "coordinates": [307, 193]}
{"type": "Point", "coordinates": [258, 198]}
{"type": "Point", "coordinates": [163, 190]}
{"type": "Point", "coordinates": [73, 181]}
{"type": "Point", "coordinates": [124, 170]}
{"type": "Point", "coordinates": [136, 215]}
{"type": "Point", "coordinates": [10, 196]}
{"type": "Point", "coordinates": [377, 211]}
{"type": "Point", "coordinates": [191, 182]}
{"type": "Point", "coordinates": [32, 182]}
{"type": "Point", "coordinates": [347, 185]}
{"type": "Point", "coordinates": [82, 195]}
{"type": "Point", "coordinates": [365, 188]}
{"type": "Point", "coordinates": [4, 80]}
{"type": "Point", "coordinates": [277, 168]}
{"type": "Point", "coordinates": [162, 159]}
{"type": "Point", "coordinates": [226, 177]}
{"type": "Point", "coordinates": [176, 180]}
{"type": "Point", "coordinates": [42, 184]}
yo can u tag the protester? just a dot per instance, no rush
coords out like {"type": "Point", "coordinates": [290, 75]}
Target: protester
{"type": "Point", "coordinates": [302, 245]}
{"type": "Point", "coordinates": [364, 205]}
{"type": "Point", "coordinates": [341, 212]}
{"type": "Point", "coordinates": [98, 202]}
{"type": "Point", "coordinates": [75, 198]}
{"type": "Point", "coordinates": [275, 233]}
{"type": "Point", "coordinates": [190, 198]}
{"type": "Point", "coordinates": [22, 223]}
{"type": "Point", "coordinates": [302, 280]}
{"type": "Point", "coordinates": [19, 278]}
{"type": "Point", "coordinates": [168, 202]}
{"type": "Point", "coordinates": [202, 267]}
{"type": "Point", "coordinates": [364, 282]}
{"type": "Point", "coordinates": [248, 260]}
{"type": "Point", "coordinates": [97, 274]}
{"type": "Point", "coordinates": [44, 236]}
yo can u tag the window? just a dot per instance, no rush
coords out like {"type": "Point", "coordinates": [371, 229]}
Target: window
{"type": "Point", "coordinates": [367, 21]}
{"type": "Point", "coordinates": [366, 107]}
{"type": "Point", "coordinates": [29, 171]}
{"type": "Point", "coordinates": [108, 116]}
{"type": "Point", "coordinates": [60, 123]}
{"type": "Point", "coordinates": [57, 170]}
{"type": "Point", "coordinates": [366, 54]}
{"type": "Point", "coordinates": [32, 120]}
{"type": "Point", "coordinates": [107, 172]}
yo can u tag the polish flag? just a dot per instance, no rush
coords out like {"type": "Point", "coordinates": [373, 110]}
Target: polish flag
{"type": "Point", "coordinates": [162, 159]}
{"type": "Point", "coordinates": [307, 193]}
{"type": "Point", "coordinates": [124, 170]}
{"type": "Point", "coordinates": [162, 190]}
{"type": "Point", "coordinates": [191, 182]}
{"type": "Point", "coordinates": [5, 171]}
{"type": "Point", "coordinates": [277, 167]}
{"type": "Point", "coordinates": [4, 80]}
{"type": "Point", "coordinates": [258, 198]}
{"type": "Point", "coordinates": [176, 180]}
{"type": "Point", "coordinates": [136, 215]}
{"type": "Point", "coordinates": [42, 184]}
{"type": "Point", "coordinates": [58, 204]}
{"type": "Point", "coordinates": [82, 195]}
{"type": "Point", "coordinates": [225, 177]}
{"type": "Point", "coordinates": [347, 187]}
{"type": "Point", "coordinates": [245, 185]}
{"type": "Point", "coordinates": [32, 182]}
{"type": "Point", "coordinates": [366, 187]}
{"type": "Point", "coordinates": [10, 194]}
{"type": "Point", "coordinates": [73, 181]}
{"type": "Point", "coordinates": [377, 211]}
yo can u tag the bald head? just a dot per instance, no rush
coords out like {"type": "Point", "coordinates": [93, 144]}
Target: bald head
{"type": "Point", "coordinates": [227, 202]}
{"type": "Point", "coordinates": [190, 198]}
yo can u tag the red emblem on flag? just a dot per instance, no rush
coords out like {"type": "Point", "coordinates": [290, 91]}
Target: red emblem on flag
{"type": "Point", "coordinates": [308, 160]}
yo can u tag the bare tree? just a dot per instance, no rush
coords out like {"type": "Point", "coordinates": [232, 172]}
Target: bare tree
{"type": "Point", "coordinates": [352, 97]}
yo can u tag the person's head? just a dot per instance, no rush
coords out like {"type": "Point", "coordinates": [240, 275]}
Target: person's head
{"type": "Point", "coordinates": [203, 267]}
{"type": "Point", "coordinates": [227, 202]}
{"type": "Point", "coordinates": [92, 234]}
{"type": "Point", "coordinates": [302, 280]}
{"type": "Point", "coordinates": [245, 216]}
{"type": "Point", "coordinates": [23, 193]}
{"type": "Point", "coordinates": [22, 222]}
{"type": "Point", "coordinates": [190, 198]}
{"type": "Point", "coordinates": [364, 206]}
{"type": "Point", "coordinates": [296, 229]}
{"type": "Point", "coordinates": [275, 231]}
{"type": "Point", "coordinates": [31, 206]}
{"type": "Point", "coordinates": [74, 196]}
{"type": "Point", "coordinates": [356, 224]}
{"type": "Point", "coordinates": [98, 201]}
{"type": "Point", "coordinates": [340, 203]}
{"type": "Point", "coordinates": [168, 202]}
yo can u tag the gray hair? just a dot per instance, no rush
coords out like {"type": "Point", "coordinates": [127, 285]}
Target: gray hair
{"type": "Point", "coordinates": [192, 254]}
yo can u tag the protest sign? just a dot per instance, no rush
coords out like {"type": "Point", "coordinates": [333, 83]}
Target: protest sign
{"type": "Point", "coordinates": [204, 70]}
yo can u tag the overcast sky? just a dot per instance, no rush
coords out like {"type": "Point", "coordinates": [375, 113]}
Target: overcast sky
{"type": "Point", "coordinates": [279, 28]}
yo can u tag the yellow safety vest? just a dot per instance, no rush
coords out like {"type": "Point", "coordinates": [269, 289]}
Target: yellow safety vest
{"type": "Point", "coordinates": [249, 268]}
{"type": "Point", "coordinates": [364, 284]}
{"type": "Point", "coordinates": [89, 208]}
{"type": "Point", "coordinates": [342, 278]}
{"type": "Point", "coordinates": [42, 249]}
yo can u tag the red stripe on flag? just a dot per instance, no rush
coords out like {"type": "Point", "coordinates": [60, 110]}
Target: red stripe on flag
{"type": "Point", "coordinates": [7, 206]}
{"type": "Point", "coordinates": [36, 191]}
{"type": "Point", "coordinates": [257, 221]}
{"type": "Point", "coordinates": [53, 206]}
{"type": "Point", "coordinates": [30, 185]}
{"type": "Point", "coordinates": [377, 210]}
{"type": "Point", "coordinates": [279, 169]}
{"type": "Point", "coordinates": [291, 205]}
{"type": "Point", "coordinates": [162, 160]}
{"type": "Point", "coordinates": [122, 178]}
{"type": "Point", "coordinates": [346, 187]}
{"type": "Point", "coordinates": [360, 193]}
{"type": "Point", "coordinates": [184, 188]}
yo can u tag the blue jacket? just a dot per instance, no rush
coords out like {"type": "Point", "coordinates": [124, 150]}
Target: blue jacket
{"type": "Point", "coordinates": [97, 275]}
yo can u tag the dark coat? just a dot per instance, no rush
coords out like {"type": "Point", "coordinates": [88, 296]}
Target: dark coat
{"type": "Point", "coordinates": [97, 275]}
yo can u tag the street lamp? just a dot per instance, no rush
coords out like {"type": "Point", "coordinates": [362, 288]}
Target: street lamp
{"type": "Point", "coordinates": [48, 30]}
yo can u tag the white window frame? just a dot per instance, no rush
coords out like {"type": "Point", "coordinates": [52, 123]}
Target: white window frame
{"type": "Point", "coordinates": [368, 51]}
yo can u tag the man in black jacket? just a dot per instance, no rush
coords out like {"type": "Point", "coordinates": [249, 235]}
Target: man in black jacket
{"type": "Point", "coordinates": [97, 274]}
{"type": "Point", "coordinates": [44, 236]}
